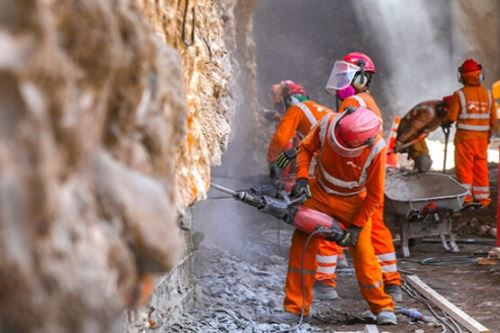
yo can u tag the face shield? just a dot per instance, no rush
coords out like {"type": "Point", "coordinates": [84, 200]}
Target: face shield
{"type": "Point", "coordinates": [341, 76]}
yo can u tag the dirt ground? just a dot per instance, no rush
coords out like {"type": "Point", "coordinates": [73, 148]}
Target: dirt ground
{"type": "Point", "coordinates": [239, 288]}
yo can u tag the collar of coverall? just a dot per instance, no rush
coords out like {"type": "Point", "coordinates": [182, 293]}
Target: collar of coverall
{"type": "Point", "coordinates": [300, 98]}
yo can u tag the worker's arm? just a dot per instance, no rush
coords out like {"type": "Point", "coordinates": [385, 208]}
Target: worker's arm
{"type": "Point", "coordinates": [348, 102]}
{"type": "Point", "coordinates": [307, 147]}
{"type": "Point", "coordinates": [493, 117]}
{"type": "Point", "coordinates": [284, 132]}
{"type": "Point", "coordinates": [374, 188]}
{"type": "Point", "coordinates": [453, 110]}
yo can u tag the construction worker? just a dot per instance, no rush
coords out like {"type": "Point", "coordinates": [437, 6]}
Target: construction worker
{"type": "Point", "coordinates": [473, 110]}
{"type": "Point", "coordinates": [300, 113]}
{"type": "Point", "coordinates": [415, 126]}
{"type": "Point", "coordinates": [299, 116]}
{"type": "Point", "coordinates": [349, 186]}
{"type": "Point", "coordinates": [349, 81]}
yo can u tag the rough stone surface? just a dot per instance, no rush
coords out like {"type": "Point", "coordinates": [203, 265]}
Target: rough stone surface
{"type": "Point", "coordinates": [219, 75]}
{"type": "Point", "coordinates": [91, 104]}
{"type": "Point", "coordinates": [212, 40]}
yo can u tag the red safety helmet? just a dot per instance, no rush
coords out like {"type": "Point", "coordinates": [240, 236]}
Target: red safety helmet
{"type": "Point", "coordinates": [356, 58]}
{"type": "Point", "coordinates": [469, 65]}
{"type": "Point", "coordinates": [354, 130]}
{"type": "Point", "coordinates": [293, 88]}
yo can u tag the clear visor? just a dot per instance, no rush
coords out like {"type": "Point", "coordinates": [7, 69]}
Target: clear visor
{"type": "Point", "coordinates": [341, 76]}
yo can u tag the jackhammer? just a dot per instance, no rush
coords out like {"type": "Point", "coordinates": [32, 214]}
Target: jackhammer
{"type": "Point", "coordinates": [284, 208]}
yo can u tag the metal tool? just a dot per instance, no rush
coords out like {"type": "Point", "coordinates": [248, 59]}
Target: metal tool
{"type": "Point", "coordinates": [446, 131]}
{"type": "Point", "coordinates": [287, 209]}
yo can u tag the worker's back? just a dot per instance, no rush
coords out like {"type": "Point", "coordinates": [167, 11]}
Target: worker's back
{"type": "Point", "coordinates": [299, 118]}
{"type": "Point", "coordinates": [422, 117]}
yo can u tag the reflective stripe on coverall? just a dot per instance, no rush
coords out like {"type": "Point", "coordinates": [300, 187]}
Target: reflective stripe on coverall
{"type": "Point", "coordinates": [473, 110]}
{"type": "Point", "coordinates": [298, 118]}
{"type": "Point", "coordinates": [381, 235]}
{"type": "Point", "coordinates": [348, 208]}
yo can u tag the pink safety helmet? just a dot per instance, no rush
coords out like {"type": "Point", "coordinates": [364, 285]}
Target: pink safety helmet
{"type": "Point", "coordinates": [354, 69]}
{"type": "Point", "coordinates": [356, 58]}
{"type": "Point", "coordinates": [354, 130]}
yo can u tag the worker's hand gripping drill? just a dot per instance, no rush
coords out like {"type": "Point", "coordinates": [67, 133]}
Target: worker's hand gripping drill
{"type": "Point", "coordinates": [301, 187]}
{"type": "Point", "coordinates": [350, 236]}
{"type": "Point", "coordinates": [285, 158]}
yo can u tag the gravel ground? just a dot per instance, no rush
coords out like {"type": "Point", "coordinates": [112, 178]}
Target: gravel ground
{"type": "Point", "coordinates": [235, 294]}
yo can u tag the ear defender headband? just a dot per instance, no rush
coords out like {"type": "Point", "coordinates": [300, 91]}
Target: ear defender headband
{"type": "Point", "coordinates": [287, 99]}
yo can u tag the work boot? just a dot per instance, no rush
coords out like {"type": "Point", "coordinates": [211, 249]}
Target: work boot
{"type": "Point", "coordinates": [324, 292]}
{"type": "Point", "coordinates": [285, 317]}
{"type": "Point", "coordinates": [386, 318]}
{"type": "Point", "coordinates": [395, 292]}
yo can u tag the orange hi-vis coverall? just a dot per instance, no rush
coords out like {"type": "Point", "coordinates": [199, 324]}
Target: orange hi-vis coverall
{"type": "Point", "coordinates": [473, 110]}
{"type": "Point", "coordinates": [381, 235]}
{"type": "Point", "coordinates": [299, 118]}
{"type": "Point", "coordinates": [349, 190]}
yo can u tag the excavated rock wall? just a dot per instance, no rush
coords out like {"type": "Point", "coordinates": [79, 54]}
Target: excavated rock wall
{"type": "Point", "coordinates": [107, 132]}
{"type": "Point", "coordinates": [204, 33]}
{"type": "Point", "coordinates": [216, 49]}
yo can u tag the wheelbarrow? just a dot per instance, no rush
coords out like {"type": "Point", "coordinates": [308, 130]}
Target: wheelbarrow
{"type": "Point", "coordinates": [422, 206]}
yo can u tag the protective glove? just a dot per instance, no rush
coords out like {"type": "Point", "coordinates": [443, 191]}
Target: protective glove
{"type": "Point", "coordinates": [350, 236]}
{"type": "Point", "coordinates": [274, 171]}
{"type": "Point", "coordinates": [301, 187]}
{"type": "Point", "coordinates": [285, 158]}
{"type": "Point", "coordinates": [445, 126]}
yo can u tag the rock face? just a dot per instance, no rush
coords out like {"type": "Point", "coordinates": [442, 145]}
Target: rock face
{"type": "Point", "coordinates": [91, 104]}
{"type": "Point", "coordinates": [107, 132]}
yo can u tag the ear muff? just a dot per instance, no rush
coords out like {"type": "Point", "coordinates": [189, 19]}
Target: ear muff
{"type": "Point", "coordinates": [287, 99]}
{"type": "Point", "coordinates": [361, 81]}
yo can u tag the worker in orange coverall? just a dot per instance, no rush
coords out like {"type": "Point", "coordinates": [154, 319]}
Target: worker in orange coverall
{"type": "Point", "coordinates": [415, 126]}
{"type": "Point", "coordinates": [349, 81]}
{"type": "Point", "coordinates": [300, 115]}
{"type": "Point", "coordinates": [349, 186]}
{"type": "Point", "coordinates": [473, 109]}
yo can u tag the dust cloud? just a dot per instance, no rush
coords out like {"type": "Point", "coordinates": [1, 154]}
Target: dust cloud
{"type": "Point", "coordinates": [416, 46]}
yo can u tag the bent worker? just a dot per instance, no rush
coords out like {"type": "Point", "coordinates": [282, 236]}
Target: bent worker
{"type": "Point", "coordinates": [350, 82]}
{"type": "Point", "coordinates": [415, 126]}
{"type": "Point", "coordinates": [300, 115]}
{"type": "Point", "coordinates": [474, 112]}
{"type": "Point", "coordinates": [349, 186]}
